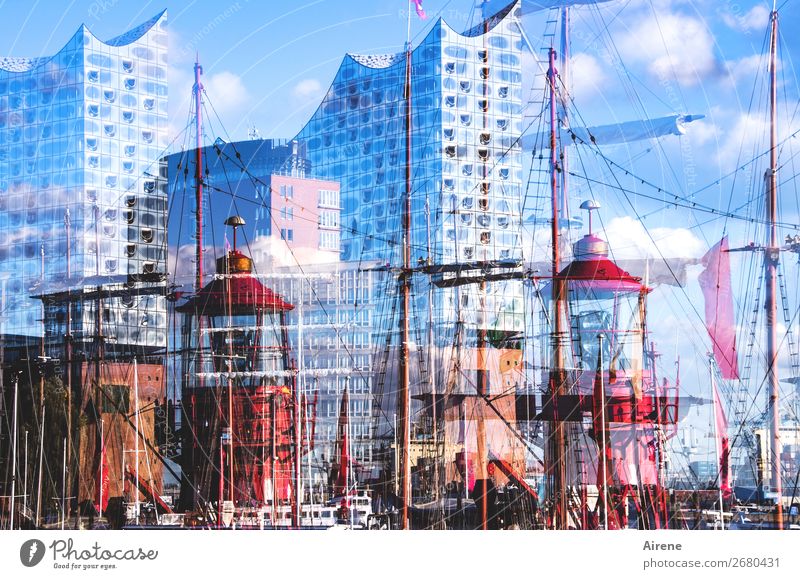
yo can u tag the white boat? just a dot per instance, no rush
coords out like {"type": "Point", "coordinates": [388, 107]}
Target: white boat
{"type": "Point", "coordinates": [351, 511]}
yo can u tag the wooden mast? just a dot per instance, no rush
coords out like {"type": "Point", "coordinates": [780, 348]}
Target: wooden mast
{"type": "Point", "coordinates": [557, 467]}
{"type": "Point", "coordinates": [403, 418]}
{"type": "Point", "coordinates": [771, 260]}
{"type": "Point", "coordinates": [14, 453]}
{"type": "Point", "coordinates": [482, 377]}
{"type": "Point", "coordinates": [137, 506]}
{"type": "Point", "coordinates": [68, 356]}
{"type": "Point", "coordinates": [197, 91]}
{"type": "Point", "coordinates": [198, 103]}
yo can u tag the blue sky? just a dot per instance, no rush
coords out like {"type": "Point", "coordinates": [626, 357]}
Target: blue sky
{"type": "Point", "coordinates": [280, 56]}
{"type": "Point", "coordinates": [267, 64]}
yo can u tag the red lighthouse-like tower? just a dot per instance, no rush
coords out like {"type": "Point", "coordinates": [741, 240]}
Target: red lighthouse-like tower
{"type": "Point", "coordinates": [614, 412]}
{"type": "Point", "coordinates": [237, 391]}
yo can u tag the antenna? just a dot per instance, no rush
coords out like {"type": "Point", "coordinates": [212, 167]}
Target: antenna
{"type": "Point", "coordinates": [235, 222]}
{"type": "Point", "coordinates": [590, 205]}
{"type": "Point", "coordinates": [253, 133]}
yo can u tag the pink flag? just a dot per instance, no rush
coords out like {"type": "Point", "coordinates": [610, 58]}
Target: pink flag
{"type": "Point", "coordinates": [722, 442]}
{"type": "Point", "coordinates": [420, 11]}
{"type": "Point", "coordinates": [715, 281]}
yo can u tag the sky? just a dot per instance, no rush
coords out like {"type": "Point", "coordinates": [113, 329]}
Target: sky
{"type": "Point", "coordinates": [268, 64]}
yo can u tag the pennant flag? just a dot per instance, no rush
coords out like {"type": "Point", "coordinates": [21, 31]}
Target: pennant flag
{"type": "Point", "coordinates": [420, 11]}
{"type": "Point", "coordinates": [715, 281]}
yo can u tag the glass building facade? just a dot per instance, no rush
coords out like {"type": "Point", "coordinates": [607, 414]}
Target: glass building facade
{"type": "Point", "coordinates": [332, 323]}
{"type": "Point", "coordinates": [229, 189]}
{"type": "Point", "coordinates": [81, 201]}
{"type": "Point", "coordinates": [466, 168]}
{"type": "Point", "coordinates": [330, 329]}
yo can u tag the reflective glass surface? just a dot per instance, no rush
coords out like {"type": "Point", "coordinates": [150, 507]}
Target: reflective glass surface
{"type": "Point", "coordinates": [80, 136]}
{"type": "Point", "coordinates": [464, 160]}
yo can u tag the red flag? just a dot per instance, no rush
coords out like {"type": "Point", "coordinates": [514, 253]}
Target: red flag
{"type": "Point", "coordinates": [102, 480]}
{"type": "Point", "coordinates": [723, 447]}
{"type": "Point", "coordinates": [420, 11]}
{"type": "Point", "coordinates": [715, 281]}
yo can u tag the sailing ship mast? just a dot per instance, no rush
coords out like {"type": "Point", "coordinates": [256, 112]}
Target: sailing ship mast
{"type": "Point", "coordinates": [557, 466]}
{"type": "Point", "coordinates": [771, 261]}
{"type": "Point", "coordinates": [14, 454]}
{"type": "Point", "coordinates": [68, 356]}
{"type": "Point", "coordinates": [136, 427]}
{"type": "Point", "coordinates": [198, 103]}
{"type": "Point", "coordinates": [403, 401]}
{"type": "Point", "coordinates": [197, 91]}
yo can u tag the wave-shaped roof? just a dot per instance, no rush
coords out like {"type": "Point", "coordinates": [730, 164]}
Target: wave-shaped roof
{"type": "Point", "coordinates": [135, 33]}
{"type": "Point", "coordinates": [21, 64]}
{"type": "Point", "coordinates": [387, 60]}
{"type": "Point", "coordinates": [490, 22]}
{"type": "Point", "coordinates": [24, 64]}
{"type": "Point", "coordinates": [380, 61]}
{"type": "Point", "coordinates": [377, 60]}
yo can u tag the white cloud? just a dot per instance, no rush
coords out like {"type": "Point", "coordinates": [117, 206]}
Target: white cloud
{"type": "Point", "coordinates": [227, 93]}
{"type": "Point", "coordinates": [701, 132]}
{"type": "Point", "coordinates": [756, 18]}
{"type": "Point", "coordinates": [224, 90]}
{"type": "Point", "coordinates": [745, 137]}
{"type": "Point", "coordinates": [309, 88]}
{"type": "Point", "coordinates": [180, 264]}
{"type": "Point", "coordinates": [588, 76]}
{"type": "Point", "coordinates": [267, 253]}
{"type": "Point", "coordinates": [672, 47]}
{"type": "Point", "coordinates": [628, 239]}
{"type": "Point", "coordinates": [745, 69]}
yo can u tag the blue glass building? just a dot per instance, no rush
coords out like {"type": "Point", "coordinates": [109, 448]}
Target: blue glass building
{"type": "Point", "coordinates": [81, 133]}
{"type": "Point", "coordinates": [466, 167]}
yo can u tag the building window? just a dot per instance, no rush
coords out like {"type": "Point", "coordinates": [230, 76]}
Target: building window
{"type": "Point", "coordinates": [329, 219]}
{"type": "Point", "coordinates": [328, 198]}
{"type": "Point", "coordinates": [290, 191]}
{"type": "Point", "coordinates": [287, 234]}
{"type": "Point", "coordinates": [329, 240]}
